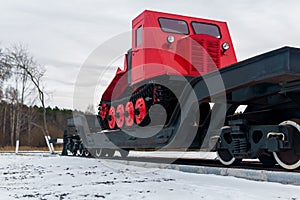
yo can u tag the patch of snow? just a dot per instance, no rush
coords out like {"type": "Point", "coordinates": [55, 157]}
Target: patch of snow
{"type": "Point", "coordinates": [54, 177]}
{"type": "Point", "coordinates": [176, 154]}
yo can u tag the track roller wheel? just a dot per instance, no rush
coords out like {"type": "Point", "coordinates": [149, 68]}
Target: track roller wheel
{"type": "Point", "coordinates": [99, 153]}
{"type": "Point", "coordinates": [129, 114]}
{"type": "Point", "coordinates": [119, 116]}
{"type": "Point", "coordinates": [288, 159]}
{"type": "Point", "coordinates": [111, 118]}
{"type": "Point", "coordinates": [140, 110]}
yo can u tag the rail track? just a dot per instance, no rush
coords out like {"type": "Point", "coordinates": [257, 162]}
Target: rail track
{"type": "Point", "coordinates": [248, 169]}
{"type": "Point", "coordinates": [249, 164]}
{"type": "Point", "coordinates": [204, 162]}
{"type": "Point", "coordinates": [253, 165]}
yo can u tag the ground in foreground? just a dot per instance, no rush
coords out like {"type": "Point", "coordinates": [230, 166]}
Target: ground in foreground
{"type": "Point", "coordinates": [55, 177]}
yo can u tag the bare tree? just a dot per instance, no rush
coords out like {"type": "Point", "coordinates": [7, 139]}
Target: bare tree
{"type": "Point", "coordinates": [11, 95]}
{"type": "Point", "coordinates": [4, 120]}
{"type": "Point", "coordinates": [4, 71]}
{"type": "Point", "coordinates": [4, 74]}
{"type": "Point", "coordinates": [15, 58]}
{"type": "Point", "coordinates": [26, 68]}
{"type": "Point", "coordinates": [31, 118]}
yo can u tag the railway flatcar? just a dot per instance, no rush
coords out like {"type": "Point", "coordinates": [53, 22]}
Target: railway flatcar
{"type": "Point", "coordinates": [181, 79]}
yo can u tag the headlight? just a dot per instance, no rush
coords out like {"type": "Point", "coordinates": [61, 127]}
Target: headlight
{"type": "Point", "coordinates": [170, 39]}
{"type": "Point", "coordinates": [225, 46]}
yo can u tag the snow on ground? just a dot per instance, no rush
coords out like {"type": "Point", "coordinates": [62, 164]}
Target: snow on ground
{"type": "Point", "coordinates": [176, 154]}
{"type": "Point", "coordinates": [55, 177]}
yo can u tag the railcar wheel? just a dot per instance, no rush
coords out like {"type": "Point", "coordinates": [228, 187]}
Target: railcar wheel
{"type": "Point", "coordinates": [81, 154]}
{"type": "Point", "coordinates": [74, 153]}
{"type": "Point", "coordinates": [225, 157]}
{"type": "Point", "coordinates": [74, 149]}
{"type": "Point", "coordinates": [289, 159]}
{"type": "Point", "coordinates": [81, 150]}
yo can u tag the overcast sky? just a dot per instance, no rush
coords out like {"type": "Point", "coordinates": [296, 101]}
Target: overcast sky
{"type": "Point", "coordinates": [62, 34]}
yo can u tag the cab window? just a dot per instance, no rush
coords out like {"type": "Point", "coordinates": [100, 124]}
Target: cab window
{"type": "Point", "coordinates": [138, 36]}
{"type": "Point", "coordinates": [173, 26]}
{"type": "Point", "coordinates": [204, 28]}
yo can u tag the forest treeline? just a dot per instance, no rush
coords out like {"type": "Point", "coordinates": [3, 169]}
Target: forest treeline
{"type": "Point", "coordinates": [31, 120]}
{"type": "Point", "coordinates": [23, 96]}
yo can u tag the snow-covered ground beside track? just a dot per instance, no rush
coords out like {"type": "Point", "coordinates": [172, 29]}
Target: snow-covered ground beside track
{"type": "Point", "coordinates": [54, 177]}
{"type": "Point", "coordinates": [174, 154]}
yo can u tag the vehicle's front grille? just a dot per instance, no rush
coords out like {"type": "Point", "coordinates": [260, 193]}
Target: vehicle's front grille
{"type": "Point", "coordinates": [205, 55]}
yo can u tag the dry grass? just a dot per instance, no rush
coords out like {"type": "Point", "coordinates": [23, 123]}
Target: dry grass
{"type": "Point", "coordinates": [27, 148]}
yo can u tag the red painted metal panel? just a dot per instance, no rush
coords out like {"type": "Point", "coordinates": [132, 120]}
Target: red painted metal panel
{"type": "Point", "coordinates": [189, 55]}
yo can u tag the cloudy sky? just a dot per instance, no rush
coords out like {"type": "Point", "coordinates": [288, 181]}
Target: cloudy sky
{"type": "Point", "coordinates": [62, 34]}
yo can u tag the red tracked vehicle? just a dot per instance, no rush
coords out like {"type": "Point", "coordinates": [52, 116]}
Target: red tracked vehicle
{"type": "Point", "coordinates": [164, 46]}
{"type": "Point", "coordinates": [184, 63]}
